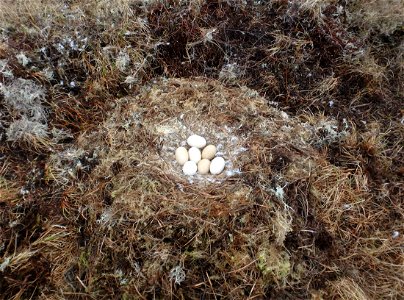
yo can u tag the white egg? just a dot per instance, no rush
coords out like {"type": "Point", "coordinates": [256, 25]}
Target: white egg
{"type": "Point", "coordinates": [203, 166]}
{"type": "Point", "coordinates": [196, 141]}
{"type": "Point", "coordinates": [217, 165]}
{"type": "Point", "coordinates": [181, 155]}
{"type": "Point", "coordinates": [209, 152]}
{"type": "Point", "coordinates": [194, 154]}
{"type": "Point", "coordinates": [190, 168]}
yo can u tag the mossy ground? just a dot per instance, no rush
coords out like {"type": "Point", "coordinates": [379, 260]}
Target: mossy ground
{"type": "Point", "coordinates": [305, 98]}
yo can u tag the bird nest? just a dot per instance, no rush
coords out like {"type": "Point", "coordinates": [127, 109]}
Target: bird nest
{"type": "Point", "coordinates": [233, 224]}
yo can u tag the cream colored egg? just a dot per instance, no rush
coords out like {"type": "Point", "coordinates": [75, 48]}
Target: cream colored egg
{"type": "Point", "coordinates": [209, 152]}
{"type": "Point", "coordinates": [194, 154]}
{"type": "Point", "coordinates": [217, 165]}
{"type": "Point", "coordinates": [181, 155]}
{"type": "Point", "coordinates": [196, 141]}
{"type": "Point", "coordinates": [190, 168]}
{"type": "Point", "coordinates": [203, 166]}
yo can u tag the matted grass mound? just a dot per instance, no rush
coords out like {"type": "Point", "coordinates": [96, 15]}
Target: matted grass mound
{"type": "Point", "coordinates": [162, 117]}
{"type": "Point", "coordinates": [218, 236]}
{"type": "Point", "coordinates": [151, 231]}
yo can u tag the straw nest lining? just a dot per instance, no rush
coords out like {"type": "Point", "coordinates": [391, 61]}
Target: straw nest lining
{"type": "Point", "coordinates": [233, 119]}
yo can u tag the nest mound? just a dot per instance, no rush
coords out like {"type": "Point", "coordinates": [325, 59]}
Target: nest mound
{"type": "Point", "coordinates": [149, 127]}
{"type": "Point", "coordinates": [224, 235]}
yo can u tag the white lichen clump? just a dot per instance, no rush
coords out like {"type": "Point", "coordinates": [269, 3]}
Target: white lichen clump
{"type": "Point", "coordinates": [23, 59]}
{"type": "Point", "coordinates": [5, 69]}
{"type": "Point", "coordinates": [122, 61]}
{"type": "Point", "coordinates": [26, 130]}
{"type": "Point", "coordinates": [23, 99]}
{"type": "Point", "coordinates": [177, 274]}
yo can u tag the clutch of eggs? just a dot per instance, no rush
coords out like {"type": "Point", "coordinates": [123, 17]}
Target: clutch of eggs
{"type": "Point", "coordinates": [196, 161]}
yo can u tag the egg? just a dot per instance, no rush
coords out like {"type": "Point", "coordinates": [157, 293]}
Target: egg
{"type": "Point", "coordinates": [194, 154]}
{"type": "Point", "coordinates": [196, 141]}
{"type": "Point", "coordinates": [217, 165]}
{"type": "Point", "coordinates": [189, 168]}
{"type": "Point", "coordinates": [209, 152]}
{"type": "Point", "coordinates": [181, 155]}
{"type": "Point", "coordinates": [203, 166]}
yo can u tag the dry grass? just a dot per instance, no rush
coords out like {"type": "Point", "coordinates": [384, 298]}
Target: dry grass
{"type": "Point", "coordinates": [374, 15]}
{"type": "Point", "coordinates": [224, 237]}
{"type": "Point", "coordinates": [304, 98]}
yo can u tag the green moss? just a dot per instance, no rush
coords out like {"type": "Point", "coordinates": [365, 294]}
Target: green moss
{"type": "Point", "coordinates": [83, 259]}
{"type": "Point", "coordinates": [273, 264]}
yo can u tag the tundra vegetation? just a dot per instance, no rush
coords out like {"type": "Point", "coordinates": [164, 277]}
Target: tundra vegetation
{"type": "Point", "coordinates": [303, 99]}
